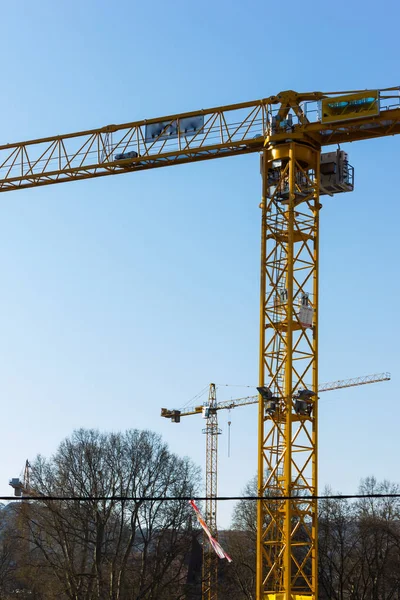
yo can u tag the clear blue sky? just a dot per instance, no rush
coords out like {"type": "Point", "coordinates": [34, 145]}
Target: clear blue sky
{"type": "Point", "coordinates": [125, 294]}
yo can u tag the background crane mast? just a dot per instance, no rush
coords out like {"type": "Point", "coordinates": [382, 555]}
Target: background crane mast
{"type": "Point", "coordinates": [290, 130]}
{"type": "Point", "coordinates": [210, 559]}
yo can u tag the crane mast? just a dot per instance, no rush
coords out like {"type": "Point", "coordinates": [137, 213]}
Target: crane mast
{"type": "Point", "coordinates": [287, 453]}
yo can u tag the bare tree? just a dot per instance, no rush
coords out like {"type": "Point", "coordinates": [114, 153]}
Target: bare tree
{"type": "Point", "coordinates": [359, 545]}
{"type": "Point", "coordinates": [378, 575]}
{"type": "Point", "coordinates": [7, 556]}
{"type": "Point", "coordinates": [338, 541]}
{"type": "Point", "coordinates": [114, 549]}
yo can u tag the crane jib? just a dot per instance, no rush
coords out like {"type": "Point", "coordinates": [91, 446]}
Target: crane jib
{"type": "Point", "coordinates": [322, 119]}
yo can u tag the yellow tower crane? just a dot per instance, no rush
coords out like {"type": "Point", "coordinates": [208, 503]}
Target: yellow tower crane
{"type": "Point", "coordinates": [289, 129]}
{"type": "Point", "coordinates": [209, 411]}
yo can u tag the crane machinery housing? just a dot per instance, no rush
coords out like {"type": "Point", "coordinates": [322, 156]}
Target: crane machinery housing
{"type": "Point", "coordinates": [289, 130]}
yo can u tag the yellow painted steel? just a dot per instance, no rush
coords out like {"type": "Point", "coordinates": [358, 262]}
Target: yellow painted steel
{"type": "Point", "coordinates": [287, 534]}
{"type": "Point", "coordinates": [227, 131]}
{"type": "Point", "coordinates": [350, 106]}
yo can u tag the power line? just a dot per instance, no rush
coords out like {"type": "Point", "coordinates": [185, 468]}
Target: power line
{"type": "Point", "coordinates": [187, 498]}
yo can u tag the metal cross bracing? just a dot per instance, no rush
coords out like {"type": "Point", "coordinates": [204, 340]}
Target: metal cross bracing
{"type": "Point", "coordinates": [210, 559]}
{"type": "Point", "coordinates": [289, 129]}
{"type": "Point", "coordinates": [184, 138]}
{"type": "Point", "coordinates": [286, 530]}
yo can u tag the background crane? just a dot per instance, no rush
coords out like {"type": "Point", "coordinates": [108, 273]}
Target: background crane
{"type": "Point", "coordinates": [209, 410]}
{"type": "Point", "coordinates": [290, 130]}
{"type": "Point", "coordinates": [19, 486]}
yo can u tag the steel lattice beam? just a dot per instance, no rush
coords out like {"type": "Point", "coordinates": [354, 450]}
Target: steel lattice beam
{"type": "Point", "coordinates": [287, 542]}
